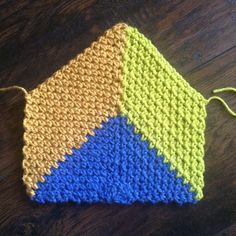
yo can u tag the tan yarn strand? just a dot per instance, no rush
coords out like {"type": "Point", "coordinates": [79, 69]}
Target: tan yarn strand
{"type": "Point", "coordinates": [14, 87]}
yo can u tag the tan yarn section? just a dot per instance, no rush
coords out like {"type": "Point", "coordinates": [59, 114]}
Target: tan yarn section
{"type": "Point", "coordinates": [70, 104]}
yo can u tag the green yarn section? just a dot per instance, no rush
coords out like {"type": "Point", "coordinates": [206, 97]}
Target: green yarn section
{"type": "Point", "coordinates": [164, 108]}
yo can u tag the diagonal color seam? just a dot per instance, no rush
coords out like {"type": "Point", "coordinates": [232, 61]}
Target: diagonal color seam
{"type": "Point", "coordinates": [52, 189]}
{"type": "Point", "coordinates": [164, 108]}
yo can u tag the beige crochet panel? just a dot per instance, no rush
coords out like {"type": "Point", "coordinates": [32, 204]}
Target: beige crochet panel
{"type": "Point", "coordinates": [62, 111]}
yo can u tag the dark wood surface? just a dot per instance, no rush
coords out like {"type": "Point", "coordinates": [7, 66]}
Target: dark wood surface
{"type": "Point", "coordinates": [198, 37]}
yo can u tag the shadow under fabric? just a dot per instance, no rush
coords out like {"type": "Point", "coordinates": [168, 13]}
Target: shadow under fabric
{"type": "Point", "coordinates": [117, 124]}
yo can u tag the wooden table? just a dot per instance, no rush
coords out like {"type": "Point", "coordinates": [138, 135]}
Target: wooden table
{"type": "Point", "coordinates": [198, 37]}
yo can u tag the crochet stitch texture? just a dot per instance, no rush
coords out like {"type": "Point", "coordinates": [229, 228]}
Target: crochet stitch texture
{"type": "Point", "coordinates": [117, 124]}
{"type": "Point", "coordinates": [114, 166]}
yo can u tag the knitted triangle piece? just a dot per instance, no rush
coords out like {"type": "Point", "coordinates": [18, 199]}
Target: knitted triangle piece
{"type": "Point", "coordinates": [116, 124]}
{"type": "Point", "coordinates": [114, 165]}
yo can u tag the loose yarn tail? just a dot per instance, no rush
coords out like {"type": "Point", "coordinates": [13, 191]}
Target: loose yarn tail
{"type": "Point", "coordinates": [227, 89]}
{"type": "Point", "coordinates": [14, 88]}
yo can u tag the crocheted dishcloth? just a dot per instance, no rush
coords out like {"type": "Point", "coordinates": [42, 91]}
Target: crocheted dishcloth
{"type": "Point", "coordinates": [116, 124]}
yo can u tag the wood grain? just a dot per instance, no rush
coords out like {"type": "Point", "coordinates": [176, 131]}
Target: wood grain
{"type": "Point", "coordinates": [198, 37]}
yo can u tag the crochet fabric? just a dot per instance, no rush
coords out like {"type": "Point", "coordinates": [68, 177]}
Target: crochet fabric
{"type": "Point", "coordinates": [117, 124]}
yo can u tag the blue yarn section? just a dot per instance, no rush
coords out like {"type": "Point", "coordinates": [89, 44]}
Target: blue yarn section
{"type": "Point", "coordinates": [114, 166]}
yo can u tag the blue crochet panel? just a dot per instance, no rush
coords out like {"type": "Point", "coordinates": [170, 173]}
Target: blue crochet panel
{"type": "Point", "coordinates": [114, 166]}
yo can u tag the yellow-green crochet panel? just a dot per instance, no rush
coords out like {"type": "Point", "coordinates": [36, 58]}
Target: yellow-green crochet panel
{"type": "Point", "coordinates": [164, 108]}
